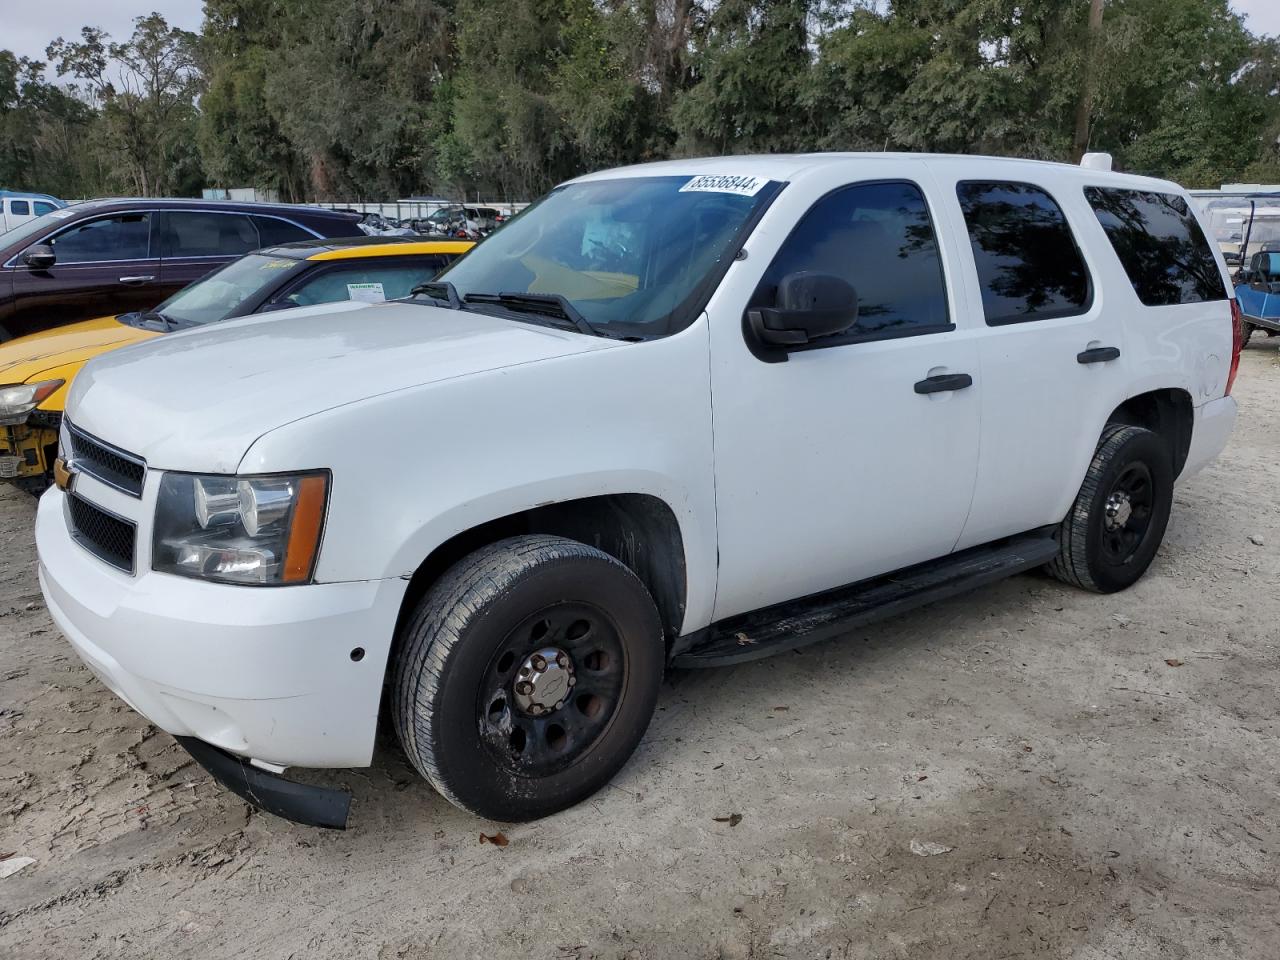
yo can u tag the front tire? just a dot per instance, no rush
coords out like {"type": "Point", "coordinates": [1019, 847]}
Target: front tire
{"type": "Point", "coordinates": [1116, 525]}
{"type": "Point", "coordinates": [527, 676]}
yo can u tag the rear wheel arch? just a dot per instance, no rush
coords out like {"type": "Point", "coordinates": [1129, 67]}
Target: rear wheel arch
{"type": "Point", "coordinates": [639, 530]}
{"type": "Point", "coordinates": [1167, 412]}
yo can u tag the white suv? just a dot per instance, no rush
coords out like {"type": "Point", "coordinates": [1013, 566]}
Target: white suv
{"type": "Point", "coordinates": [688, 413]}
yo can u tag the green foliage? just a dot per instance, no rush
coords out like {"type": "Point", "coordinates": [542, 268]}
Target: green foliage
{"type": "Point", "coordinates": [380, 98]}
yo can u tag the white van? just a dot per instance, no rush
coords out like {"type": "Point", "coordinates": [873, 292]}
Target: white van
{"type": "Point", "coordinates": [692, 413]}
{"type": "Point", "coordinates": [18, 208]}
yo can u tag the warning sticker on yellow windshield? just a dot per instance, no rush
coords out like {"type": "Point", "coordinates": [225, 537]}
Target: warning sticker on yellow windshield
{"type": "Point", "coordinates": [724, 183]}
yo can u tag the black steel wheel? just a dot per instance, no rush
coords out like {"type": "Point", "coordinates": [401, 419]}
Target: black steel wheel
{"type": "Point", "coordinates": [526, 676]}
{"type": "Point", "coordinates": [1117, 522]}
{"type": "Point", "coordinates": [552, 688]}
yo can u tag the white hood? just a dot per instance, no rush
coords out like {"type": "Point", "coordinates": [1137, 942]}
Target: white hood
{"type": "Point", "coordinates": [197, 400]}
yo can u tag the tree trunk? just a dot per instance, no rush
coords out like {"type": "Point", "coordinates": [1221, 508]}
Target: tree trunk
{"type": "Point", "coordinates": [1084, 108]}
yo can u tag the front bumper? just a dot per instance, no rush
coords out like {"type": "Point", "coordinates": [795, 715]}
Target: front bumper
{"type": "Point", "coordinates": [25, 455]}
{"type": "Point", "coordinates": [265, 673]}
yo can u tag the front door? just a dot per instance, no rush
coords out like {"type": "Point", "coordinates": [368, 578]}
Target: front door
{"type": "Point", "coordinates": [857, 455]}
{"type": "Point", "coordinates": [104, 266]}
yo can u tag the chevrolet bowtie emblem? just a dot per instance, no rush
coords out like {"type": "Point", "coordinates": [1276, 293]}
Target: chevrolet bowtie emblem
{"type": "Point", "coordinates": [63, 475]}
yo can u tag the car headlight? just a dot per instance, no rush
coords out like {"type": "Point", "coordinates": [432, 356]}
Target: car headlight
{"type": "Point", "coordinates": [19, 399]}
{"type": "Point", "coordinates": [261, 530]}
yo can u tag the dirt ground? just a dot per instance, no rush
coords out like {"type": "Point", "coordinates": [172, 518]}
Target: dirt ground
{"type": "Point", "coordinates": [1097, 801]}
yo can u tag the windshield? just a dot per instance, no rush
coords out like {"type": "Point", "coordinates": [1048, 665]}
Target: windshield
{"type": "Point", "coordinates": [627, 254]}
{"type": "Point", "coordinates": [217, 295]}
{"type": "Point", "coordinates": [1228, 219]}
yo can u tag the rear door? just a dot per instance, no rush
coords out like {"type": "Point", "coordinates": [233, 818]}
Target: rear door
{"type": "Point", "coordinates": [105, 265]}
{"type": "Point", "coordinates": [1053, 360]}
{"type": "Point", "coordinates": [194, 243]}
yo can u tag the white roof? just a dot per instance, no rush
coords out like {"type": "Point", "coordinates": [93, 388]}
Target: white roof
{"type": "Point", "coordinates": [792, 166]}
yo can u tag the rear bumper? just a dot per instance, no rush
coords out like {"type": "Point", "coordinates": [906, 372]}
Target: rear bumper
{"type": "Point", "coordinates": [261, 672]}
{"type": "Point", "coordinates": [1214, 422]}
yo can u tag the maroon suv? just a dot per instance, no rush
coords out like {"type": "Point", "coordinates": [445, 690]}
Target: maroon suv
{"type": "Point", "coordinates": [117, 256]}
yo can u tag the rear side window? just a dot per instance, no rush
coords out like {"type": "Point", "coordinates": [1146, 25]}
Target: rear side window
{"type": "Point", "coordinates": [880, 238]}
{"type": "Point", "coordinates": [275, 232]}
{"type": "Point", "coordinates": [1028, 262]}
{"type": "Point", "coordinates": [20, 208]}
{"type": "Point", "coordinates": [1160, 245]}
{"type": "Point", "coordinates": [198, 234]}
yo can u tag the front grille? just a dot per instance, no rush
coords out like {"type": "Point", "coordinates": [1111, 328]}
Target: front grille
{"type": "Point", "coordinates": [106, 536]}
{"type": "Point", "coordinates": [109, 464]}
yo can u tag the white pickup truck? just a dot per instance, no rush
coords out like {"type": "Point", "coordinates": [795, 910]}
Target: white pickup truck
{"type": "Point", "coordinates": [688, 413]}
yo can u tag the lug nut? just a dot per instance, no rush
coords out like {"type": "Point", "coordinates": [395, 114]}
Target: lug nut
{"type": "Point", "coordinates": [559, 704]}
{"type": "Point", "coordinates": [535, 708]}
{"type": "Point", "coordinates": [524, 687]}
{"type": "Point", "coordinates": [524, 671]}
{"type": "Point", "coordinates": [539, 663]}
{"type": "Point", "coordinates": [563, 660]}
{"type": "Point", "coordinates": [572, 680]}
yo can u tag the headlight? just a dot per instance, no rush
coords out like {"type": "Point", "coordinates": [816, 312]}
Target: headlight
{"type": "Point", "coordinates": [255, 530]}
{"type": "Point", "coordinates": [18, 400]}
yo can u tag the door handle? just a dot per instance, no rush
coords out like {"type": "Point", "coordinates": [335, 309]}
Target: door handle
{"type": "Point", "coordinates": [944, 383]}
{"type": "Point", "coordinates": [136, 281]}
{"type": "Point", "coordinates": [1098, 355]}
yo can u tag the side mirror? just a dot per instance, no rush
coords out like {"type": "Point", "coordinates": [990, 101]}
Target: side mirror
{"type": "Point", "coordinates": [809, 306]}
{"type": "Point", "coordinates": [40, 257]}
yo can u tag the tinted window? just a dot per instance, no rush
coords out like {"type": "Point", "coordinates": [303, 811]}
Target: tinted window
{"type": "Point", "coordinates": [878, 237]}
{"type": "Point", "coordinates": [1161, 246]}
{"type": "Point", "coordinates": [42, 208]}
{"type": "Point", "coordinates": [275, 232]}
{"type": "Point", "coordinates": [196, 234]}
{"type": "Point", "coordinates": [372, 282]}
{"type": "Point", "coordinates": [123, 237]}
{"type": "Point", "coordinates": [20, 208]}
{"type": "Point", "coordinates": [1028, 263]}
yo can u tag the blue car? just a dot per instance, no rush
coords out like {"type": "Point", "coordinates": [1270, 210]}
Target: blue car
{"type": "Point", "coordinates": [1258, 290]}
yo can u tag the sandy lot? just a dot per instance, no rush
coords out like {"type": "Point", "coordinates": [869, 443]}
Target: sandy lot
{"type": "Point", "coordinates": [1097, 801]}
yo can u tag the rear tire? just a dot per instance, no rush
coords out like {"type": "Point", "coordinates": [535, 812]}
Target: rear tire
{"type": "Point", "coordinates": [527, 676]}
{"type": "Point", "coordinates": [1116, 525]}
{"type": "Point", "coordinates": [1246, 331]}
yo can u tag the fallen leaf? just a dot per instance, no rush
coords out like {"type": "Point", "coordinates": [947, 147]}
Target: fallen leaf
{"type": "Point", "coordinates": [498, 839]}
{"type": "Point", "coordinates": [1026, 748]}
{"type": "Point", "coordinates": [923, 776]}
{"type": "Point", "coordinates": [717, 766]}
{"type": "Point", "coordinates": [744, 640]}
{"type": "Point", "coordinates": [732, 819]}
{"type": "Point", "coordinates": [1174, 662]}
{"type": "Point", "coordinates": [928, 848]}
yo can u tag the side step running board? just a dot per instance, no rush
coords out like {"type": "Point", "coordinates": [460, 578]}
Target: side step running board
{"type": "Point", "coordinates": [796, 623]}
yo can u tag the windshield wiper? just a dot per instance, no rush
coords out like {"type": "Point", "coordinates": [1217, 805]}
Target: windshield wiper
{"type": "Point", "coordinates": [543, 304]}
{"type": "Point", "coordinates": [440, 290]}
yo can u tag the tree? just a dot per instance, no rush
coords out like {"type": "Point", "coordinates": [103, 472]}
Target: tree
{"type": "Point", "coordinates": [146, 89]}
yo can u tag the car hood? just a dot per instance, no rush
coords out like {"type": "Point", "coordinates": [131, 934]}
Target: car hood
{"type": "Point", "coordinates": [198, 400]}
{"type": "Point", "coordinates": [27, 357]}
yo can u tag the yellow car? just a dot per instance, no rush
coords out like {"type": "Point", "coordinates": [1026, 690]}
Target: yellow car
{"type": "Point", "coordinates": [36, 371]}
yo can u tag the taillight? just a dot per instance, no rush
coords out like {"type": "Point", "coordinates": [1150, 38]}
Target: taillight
{"type": "Point", "coordinates": [1237, 343]}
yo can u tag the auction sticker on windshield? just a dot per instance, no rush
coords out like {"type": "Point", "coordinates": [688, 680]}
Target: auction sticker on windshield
{"type": "Point", "coordinates": [366, 292]}
{"type": "Point", "coordinates": [708, 183]}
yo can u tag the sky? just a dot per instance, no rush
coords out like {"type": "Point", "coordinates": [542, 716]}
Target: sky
{"type": "Point", "coordinates": [27, 28]}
